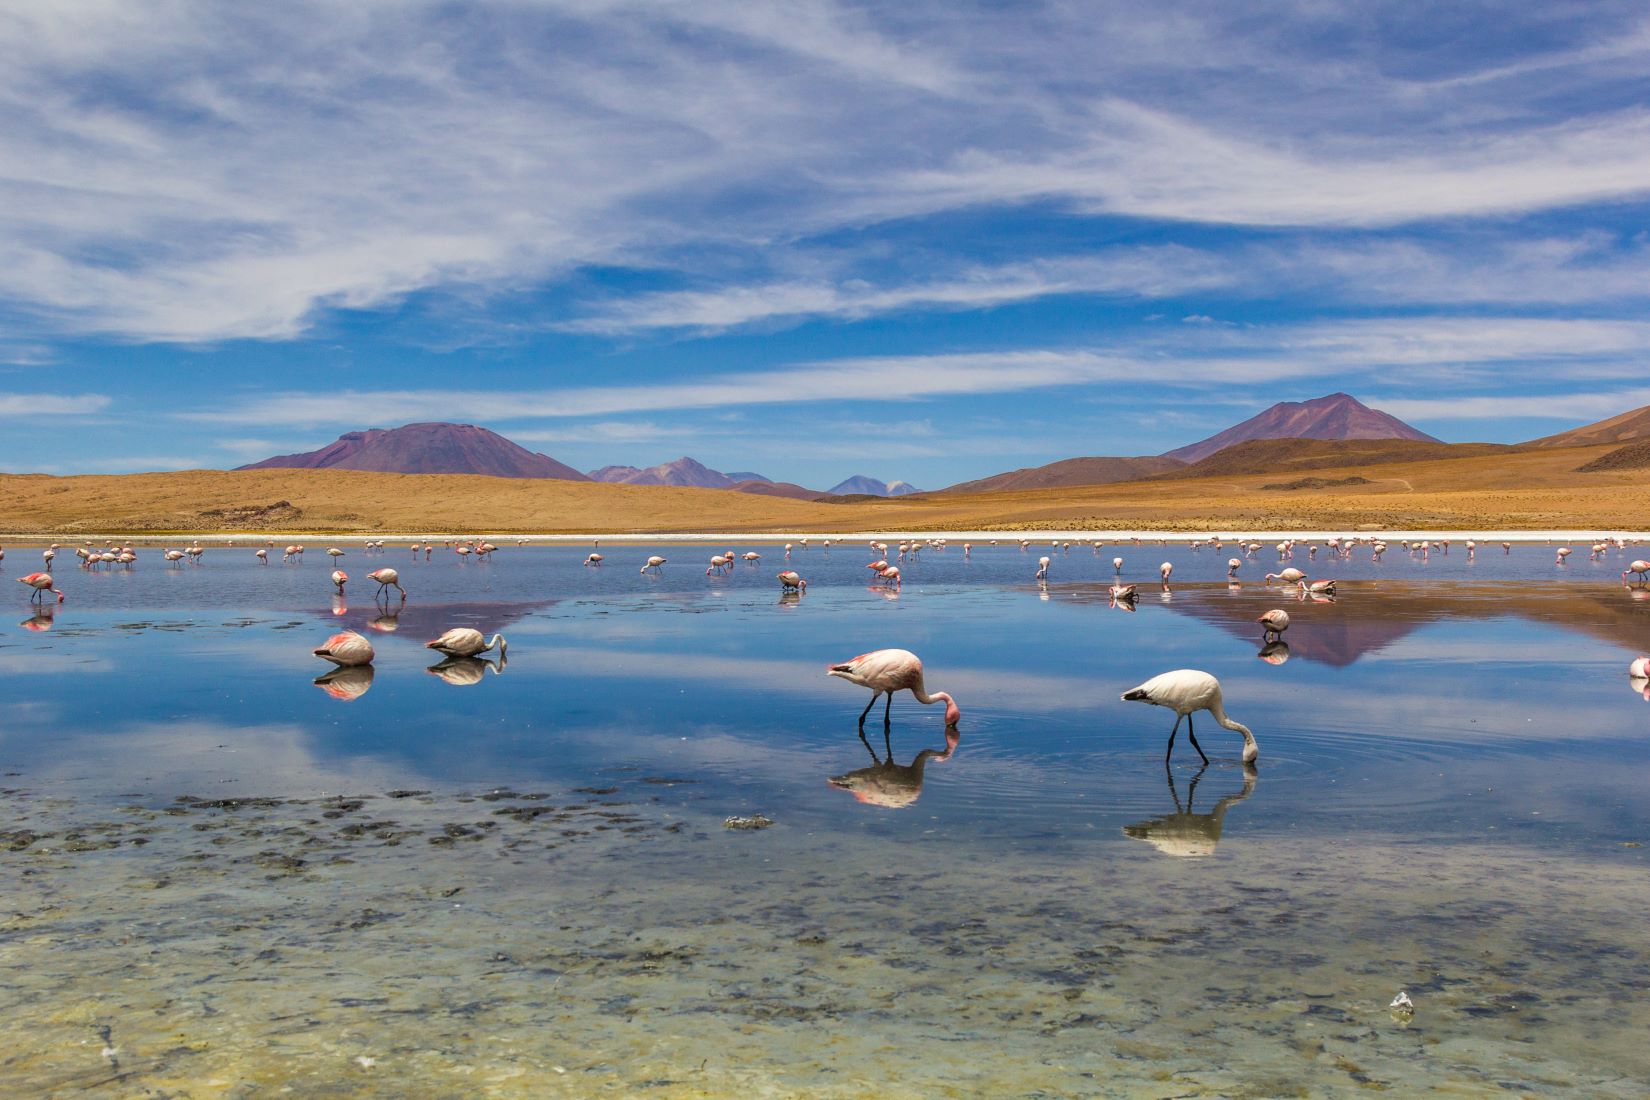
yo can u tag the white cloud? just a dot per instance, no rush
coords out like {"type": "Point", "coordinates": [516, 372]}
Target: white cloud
{"type": "Point", "coordinates": [191, 171]}
{"type": "Point", "coordinates": [49, 404]}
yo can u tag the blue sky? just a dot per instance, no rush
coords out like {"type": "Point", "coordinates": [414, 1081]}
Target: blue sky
{"type": "Point", "coordinates": [928, 241]}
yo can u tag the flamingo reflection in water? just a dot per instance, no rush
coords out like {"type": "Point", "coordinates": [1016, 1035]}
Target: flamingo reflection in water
{"type": "Point", "coordinates": [44, 615]}
{"type": "Point", "coordinates": [1274, 653]}
{"type": "Point", "coordinates": [1186, 834]}
{"type": "Point", "coordinates": [885, 783]}
{"type": "Point", "coordinates": [466, 671]}
{"type": "Point", "coordinates": [346, 682]}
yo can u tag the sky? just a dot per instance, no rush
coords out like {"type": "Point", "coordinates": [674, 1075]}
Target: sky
{"type": "Point", "coordinates": [927, 241]}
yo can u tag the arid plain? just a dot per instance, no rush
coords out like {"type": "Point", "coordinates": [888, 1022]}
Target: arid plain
{"type": "Point", "coordinates": [1278, 489]}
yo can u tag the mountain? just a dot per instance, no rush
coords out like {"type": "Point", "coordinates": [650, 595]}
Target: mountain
{"type": "Point", "coordinates": [426, 449]}
{"type": "Point", "coordinates": [860, 485]}
{"type": "Point", "coordinates": [764, 487]}
{"type": "Point", "coordinates": [1337, 416]}
{"type": "Point", "coordinates": [1285, 456]}
{"type": "Point", "coordinates": [1070, 472]}
{"type": "Point", "coordinates": [683, 472]}
{"type": "Point", "coordinates": [1624, 428]}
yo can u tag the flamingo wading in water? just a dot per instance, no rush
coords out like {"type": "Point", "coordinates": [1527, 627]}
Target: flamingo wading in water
{"type": "Point", "coordinates": [463, 641]}
{"type": "Point", "coordinates": [42, 584]}
{"type": "Point", "coordinates": [1184, 691]}
{"type": "Point", "coordinates": [387, 578]}
{"type": "Point", "coordinates": [886, 671]}
{"type": "Point", "coordinates": [346, 648]}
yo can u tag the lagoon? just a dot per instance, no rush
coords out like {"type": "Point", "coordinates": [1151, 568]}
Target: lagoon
{"type": "Point", "coordinates": [221, 877]}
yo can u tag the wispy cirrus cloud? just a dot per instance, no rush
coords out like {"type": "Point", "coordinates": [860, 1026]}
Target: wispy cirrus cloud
{"type": "Point", "coordinates": [195, 172]}
{"type": "Point", "coordinates": [51, 404]}
{"type": "Point", "coordinates": [1207, 359]}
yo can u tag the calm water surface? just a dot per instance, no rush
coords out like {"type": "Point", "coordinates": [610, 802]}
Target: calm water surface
{"type": "Point", "coordinates": [221, 877]}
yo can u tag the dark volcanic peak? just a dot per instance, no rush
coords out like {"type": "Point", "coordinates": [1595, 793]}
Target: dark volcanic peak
{"type": "Point", "coordinates": [1621, 428]}
{"type": "Point", "coordinates": [1337, 416]}
{"type": "Point", "coordinates": [684, 471]}
{"type": "Point", "coordinates": [426, 449]}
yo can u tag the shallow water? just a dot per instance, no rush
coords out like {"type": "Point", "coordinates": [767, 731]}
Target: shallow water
{"type": "Point", "coordinates": [220, 876]}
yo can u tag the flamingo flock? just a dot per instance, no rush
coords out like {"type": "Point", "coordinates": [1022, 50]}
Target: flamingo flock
{"type": "Point", "coordinates": [883, 672]}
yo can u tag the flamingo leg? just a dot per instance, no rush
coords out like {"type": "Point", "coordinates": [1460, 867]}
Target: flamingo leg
{"type": "Point", "coordinates": [887, 717]}
{"type": "Point", "coordinates": [1193, 735]}
{"type": "Point", "coordinates": [1172, 732]}
{"type": "Point", "coordinates": [866, 711]}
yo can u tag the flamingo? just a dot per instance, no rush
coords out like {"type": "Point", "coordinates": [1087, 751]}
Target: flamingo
{"type": "Point", "coordinates": [891, 575]}
{"type": "Point", "coordinates": [593, 559]}
{"type": "Point", "coordinates": [387, 578]}
{"type": "Point", "coordinates": [262, 556]}
{"type": "Point", "coordinates": [1273, 624]}
{"type": "Point", "coordinates": [1232, 566]}
{"type": "Point", "coordinates": [1165, 569]}
{"type": "Point", "coordinates": [464, 641]}
{"type": "Point", "coordinates": [173, 556]}
{"type": "Point", "coordinates": [1639, 567]}
{"type": "Point", "coordinates": [46, 557]}
{"type": "Point", "coordinates": [1042, 569]}
{"type": "Point", "coordinates": [1123, 592]}
{"type": "Point", "coordinates": [42, 584]}
{"type": "Point", "coordinates": [790, 581]}
{"type": "Point", "coordinates": [1184, 691]}
{"type": "Point", "coordinates": [332, 552]}
{"type": "Point", "coordinates": [886, 671]}
{"type": "Point", "coordinates": [1319, 588]}
{"type": "Point", "coordinates": [718, 565]}
{"type": "Point", "coordinates": [1640, 668]}
{"type": "Point", "coordinates": [1288, 576]}
{"type": "Point", "coordinates": [1563, 552]}
{"type": "Point", "coordinates": [653, 563]}
{"type": "Point", "coordinates": [753, 557]}
{"type": "Point", "coordinates": [338, 578]}
{"type": "Point", "coordinates": [346, 648]}
{"type": "Point", "coordinates": [1117, 566]}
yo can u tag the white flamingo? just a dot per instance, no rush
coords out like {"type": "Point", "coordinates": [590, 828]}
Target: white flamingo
{"type": "Point", "coordinates": [1185, 691]}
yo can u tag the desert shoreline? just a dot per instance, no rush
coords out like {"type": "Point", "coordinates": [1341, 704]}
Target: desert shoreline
{"type": "Point", "coordinates": [817, 539]}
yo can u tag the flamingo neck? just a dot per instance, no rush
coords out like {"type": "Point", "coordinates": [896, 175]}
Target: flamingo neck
{"type": "Point", "coordinates": [1251, 749]}
{"type": "Point", "coordinates": [952, 714]}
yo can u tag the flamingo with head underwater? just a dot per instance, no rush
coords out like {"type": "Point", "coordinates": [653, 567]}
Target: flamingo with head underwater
{"type": "Point", "coordinates": [1185, 691]}
{"type": "Point", "coordinates": [886, 671]}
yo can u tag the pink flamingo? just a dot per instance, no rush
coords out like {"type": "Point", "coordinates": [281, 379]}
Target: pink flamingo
{"type": "Point", "coordinates": [791, 581]}
{"type": "Point", "coordinates": [346, 648]}
{"type": "Point", "coordinates": [886, 671]}
{"type": "Point", "coordinates": [891, 575]}
{"type": "Point", "coordinates": [338, 578]}
{"type": "Point", "coordinates": [1639, 567]}
{"type": "Point", "coordinates": [387, 578]}
{"type": "Point", "coordinates": [1273, 624]}
{"type": "Point", "coordinates": [42, 584]}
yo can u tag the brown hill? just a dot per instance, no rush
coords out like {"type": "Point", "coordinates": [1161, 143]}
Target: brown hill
{"type": "Point", "coordinates": [426, 449]}
{"type": "Point", "coordinates": [1280, 456]}
{"type": "Point", "coordinates": [684, 471]}
{"type": "Point", "coordinates": [787, 489]}
{"type": "Point", "coordinates": [1071, 471]}
{"type": "Point", "coordinates": [1336, 416]}
{"type": "Point", "coordinates": [1633, 424]}
{"type": "Point", "coordinates": [1634, 456]}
